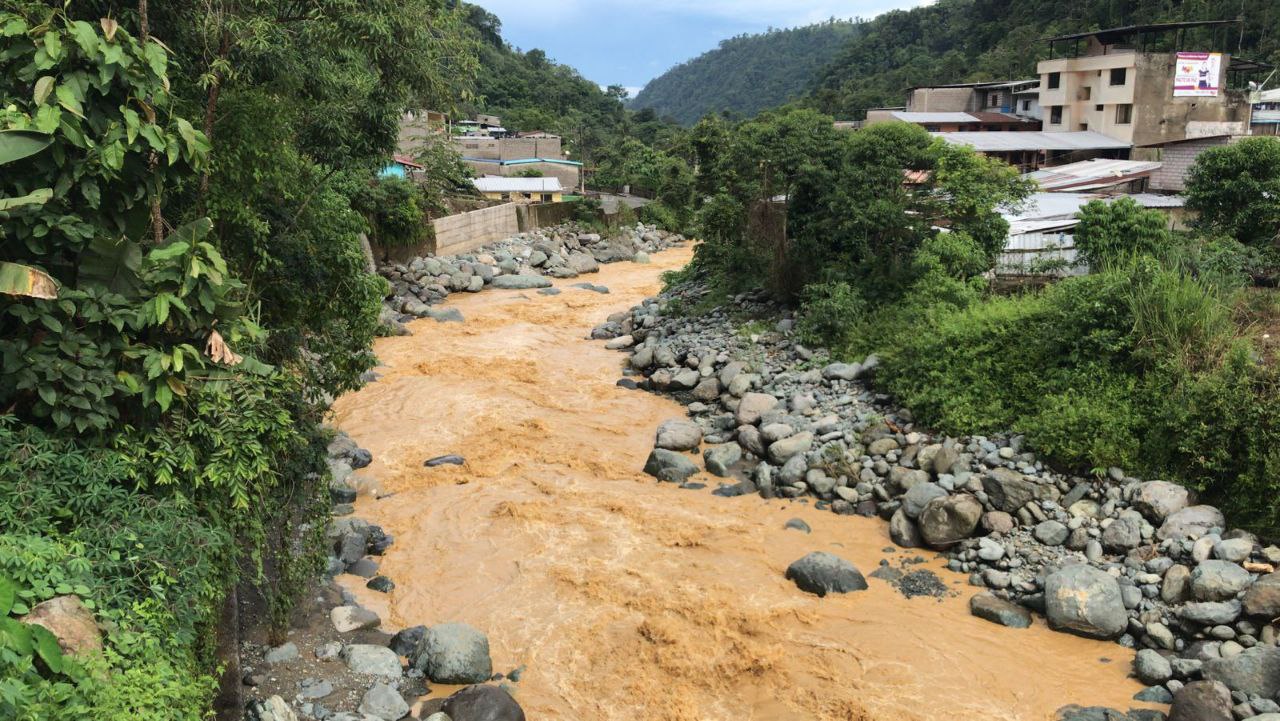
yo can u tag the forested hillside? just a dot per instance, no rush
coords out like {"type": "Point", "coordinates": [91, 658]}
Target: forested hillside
{"type": "Point", "coordinates": [748, 73]}
{"type": "Point", "coordinates": [972, 40]}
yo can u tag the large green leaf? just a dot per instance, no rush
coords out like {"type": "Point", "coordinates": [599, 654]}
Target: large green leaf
{"type": "Point", "coordinates": [15, 635]}
{"type": "Point", "coordinates": [18, 279]}
{"type": "Point", "coordinates": [111, 264]}
{"type": "Point", "coordinates": [19, 144]}
{"type": "Point", "coordinates": [191, 233]}
{"type": "Point", "coordinates": [46, 647]}
{"type": "Point", "coordinates": [39, 197]}
{"type": "Point", "coordinates": [7, 593]}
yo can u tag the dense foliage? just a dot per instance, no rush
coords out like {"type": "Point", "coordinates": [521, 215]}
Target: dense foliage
{"type": "Point", "coordinates": [747, 74]}
{"type": "Point", "coordinates": [192, 182]}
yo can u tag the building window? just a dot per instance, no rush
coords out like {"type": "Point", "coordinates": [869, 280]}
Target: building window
{"type": "Point", "coordinates": [1055, 80]}
{"type": "Point", "coordinates": [1098, 107]}
{"type": "Point", "coordinates": [1055, 115]}
{"type": "Point", "coordinates": [1026, 106]}
{"type": "Point", "coordinates": [1086, 93]}
{"type": "Point", "coordinates": [1119, 76]}
{"type": "Point", "coordinates": [546, 197]}
{"type": "Point", "coordinates": [933, 128]}
{"type": "Point", "coordinates": [506, 196]}
{"type": "Point", "coordinates": [1124, 114]}
{"type": "Point", "coordinates": [993, 100]}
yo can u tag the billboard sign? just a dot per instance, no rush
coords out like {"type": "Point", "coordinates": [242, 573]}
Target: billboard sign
{"type": "Point", "coordinates": [1197, 75]}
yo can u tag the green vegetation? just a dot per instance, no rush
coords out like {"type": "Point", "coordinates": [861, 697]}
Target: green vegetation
{"type": "Point", "coordinates": [747, 74]}
{"type": "Point", "coordinates": [183, 289]}
{"type": "Point", "coordinates": [1157, 362]}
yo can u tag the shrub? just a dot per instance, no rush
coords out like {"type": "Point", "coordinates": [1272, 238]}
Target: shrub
{"type": "Point", "coordinates": [1235, 189]}
{"type": "Point", "coordinates": [830, 313]}
{"type": "Point", "coordinates": [1093, 424]}
{"type": "Point", "coordinates": [1111, 232]}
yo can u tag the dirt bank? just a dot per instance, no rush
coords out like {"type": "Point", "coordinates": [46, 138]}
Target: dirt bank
{"type": "Point", "coordinates": [627, 599]}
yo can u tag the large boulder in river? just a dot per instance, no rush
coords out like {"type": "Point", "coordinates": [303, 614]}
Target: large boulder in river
{"type": "Point", "coordinates": [482, 703]}
{"type": "Point", "coordinates": [918, 496]}
{"type": "Point", "coordinates": [1085, 601]}
{"type": "Point", "coordinates": [454, 653]}
{"type": "Point", "coordinates": [520, 282]}
{"type": "Point", "coordinates": [1191, 523]}
{"type": "Point", "coordinates": [1157, 500]}
{"type": "Point", "coordinates": [948, 520]}
{"type": "Point", "coordinates": [997, 610]}
{"type": "Point", "coordinates": [903, 530]}
{"type": "Point", "coordinates": [678, 435]}
{"type": "Point", "coordinates": [1256, 671]}
{"type": "Point", "coordinates": [1218, 581]}
{"type": "Point", "coordinates": [821, 573]}
{"type": "Point", "coordinates": [669, 466]}
{"type": "Point", "coordinates": [1202, 701]}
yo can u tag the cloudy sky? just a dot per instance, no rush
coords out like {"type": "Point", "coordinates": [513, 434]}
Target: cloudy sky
{"type": "Point", "coordinates": [629, 42]}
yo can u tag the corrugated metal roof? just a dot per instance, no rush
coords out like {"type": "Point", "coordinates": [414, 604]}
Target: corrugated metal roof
{"type": "Point", "coordinates": [524, 161]}
{"type": "Point", "coordinates": [1091, 174]}
{"type": "Point", "coordinates": [1044, 211]}
{"type": "Point", "coordinates": [1034, 140]}
{"type": "Point", "coordinates": [934, 117]}
{"type": "Point", "coordinates": [518, 185]}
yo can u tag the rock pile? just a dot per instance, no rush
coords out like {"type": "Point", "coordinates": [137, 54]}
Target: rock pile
{"type": "Point", "coordinates": [1113, 557]}
{"type": "Point", "coordinates": [525, 261]}
{"type": "Point", "coordinates": [365, 674]}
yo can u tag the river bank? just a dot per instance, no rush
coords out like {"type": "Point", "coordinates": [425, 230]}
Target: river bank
{"type": "Point", "coordinates": [624, 598]}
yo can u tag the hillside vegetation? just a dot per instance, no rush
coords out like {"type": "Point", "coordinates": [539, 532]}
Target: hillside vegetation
{"type": "Point", "coordinates": [748, 73]}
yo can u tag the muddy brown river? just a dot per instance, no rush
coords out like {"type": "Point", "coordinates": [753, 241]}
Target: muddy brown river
{"type": "Point", "coordinates": [628, 599]}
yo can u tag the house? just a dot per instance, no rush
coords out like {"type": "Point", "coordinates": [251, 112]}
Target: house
{"type": "Point", "coordinates": [568, 172]}
{"type": "Point", "coordinates": [481, 126]}
{"type": "Point", "coordinates": [1041, 241]}
{"type": "Point", "coordinates": [403, 167]}
{"type": "Point", "coordinates": [521, 190]}
{"type": "Point", "coordinates": [1096, 174]}
{"type": "Point", "coordinates": [1031, 150]}
{"type": "Point", "coordinates": [1265, 119]}
{"type": "Point", "coordinates": [954, 122]}
{"type": "Point", "coordinates": [989, 97]}
{"type": "Point", "coordinates": [1147, 84]}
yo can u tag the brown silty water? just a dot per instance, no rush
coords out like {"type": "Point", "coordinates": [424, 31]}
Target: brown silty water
{"type": "Point", "coordinates": [629, 599]}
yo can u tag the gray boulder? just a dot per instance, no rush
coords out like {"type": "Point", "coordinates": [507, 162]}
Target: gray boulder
{"type": "Point", "coordinates": [1215, 580]}
{"type": "Point", "coordinates": [903, 531]}
{"type": "Point", "coordinates": [1152, 668]}
{"type": "Point", "coordinates": [719, 460]}
{"type": "Point", "coordinates": [752, 406]}
{"type": "Point", "coordinates": [821, 573]}
{"type": "Point", "coordinates": [678, 435]}
{"type": "Point", "coordinates": [949, 520]}
{"type": "Point", "coordinates": [1191, 523]}
{"type": "Point", "coordinates": [782, 450]}
{"type": "Point", "coordinates": [1210, 613]}
{"type": "Point", "coordinates": [997, 610]}
{"type": "Point", "coordinates": [1008, 489]}
{"type": "Point", "coordinates": [669, 466]}
{"type": "Point", "coordinates": [482, 703]}
{"type": "Point", "coordinates": [918, 496]}
{"type": "Point", "coordinates": [842, 371]}
{"type": "Point", "coordinates": [520, 282]}
{"type": "Point", "coordinates": [1085, 601]}
{"type": "Point", "coordinates": [1157, 500]}
{"type": "Point", "coordinates": [1051, 533]}
{"type": "Point", "coordinates": [1256, 671]}
{"type": "Point", "coordinates": [384, 702]}
{"type": "Point", "coordinates": [454, 653]}
{"type": "Point", "coordinates": [1263, 597]}
{"type": "Point", "coordinates": [346, 619]}
{"type": "Point", "coordinates": [1122, 534]}
{"type": "Point", "coordinates": [406, 640]}
{"type": "Point", "coordinates": [1202, 701]}
{"type": "Point", "coordinates": [372, 660]}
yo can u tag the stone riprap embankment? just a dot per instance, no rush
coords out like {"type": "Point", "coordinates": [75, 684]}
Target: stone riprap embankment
{"type": "Point", "coordinates": [346, 667]}
{"type": "Point", "coordinates": [527, 261]}
{"type": "Point", "coordinates": [1114, 557]}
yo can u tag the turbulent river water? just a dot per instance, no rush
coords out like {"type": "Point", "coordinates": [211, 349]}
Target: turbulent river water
{"type": "Point", "coordinates": [628, 599]}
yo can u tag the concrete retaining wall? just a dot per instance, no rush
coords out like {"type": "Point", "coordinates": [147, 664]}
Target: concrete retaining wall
{"type": "Point", "coordinates": [467, 231]}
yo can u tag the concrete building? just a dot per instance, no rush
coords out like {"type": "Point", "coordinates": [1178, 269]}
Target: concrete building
{"type": "Point", "coordinates": [1265, 119]}
{"type": "Point", "coordinates": [568, 172]}
{"type": "Point", "coordinates": [1032, 150]}
{"type": "Point", "coordinates": [989, 97]}
{"type": "Point", "coordinates": [521, 190]}
{"type": "Point", "coordinates": [1145, 84]}
{"type": "Point", "coordinates": [518, 148]}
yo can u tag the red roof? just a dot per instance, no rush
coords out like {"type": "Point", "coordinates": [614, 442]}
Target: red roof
{"type": "Point", "coordinates": [408, 162]}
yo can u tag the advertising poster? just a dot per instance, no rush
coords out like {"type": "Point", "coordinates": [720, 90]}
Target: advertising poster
{"type": "Point", "coordinates": [1196, 75]}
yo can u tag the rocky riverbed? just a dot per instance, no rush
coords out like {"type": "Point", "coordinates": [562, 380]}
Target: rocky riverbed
{"type": "Point", "coordinates": [1137, 561]}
